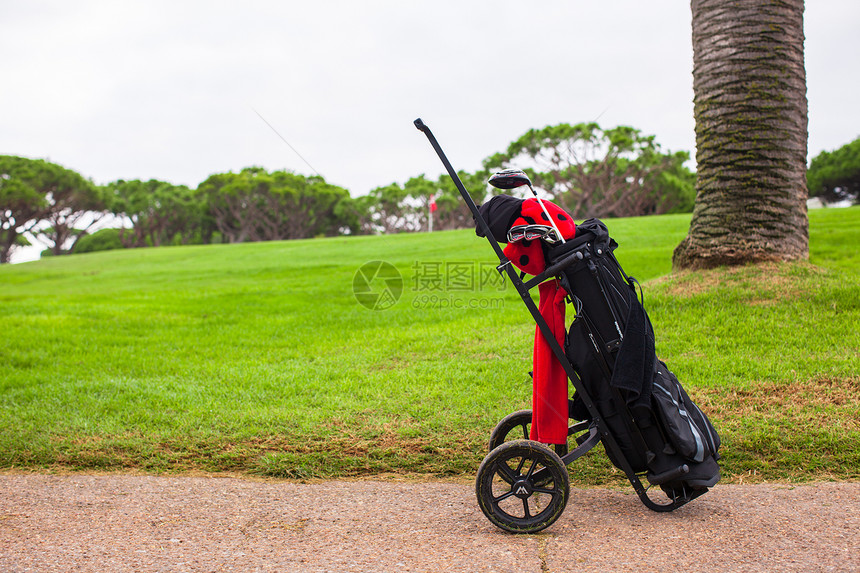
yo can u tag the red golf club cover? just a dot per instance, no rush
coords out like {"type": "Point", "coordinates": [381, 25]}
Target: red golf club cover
{"type": "Point", "coordinates": [549, 381]}
{"type": "Point", "coordinates": [528, 255]}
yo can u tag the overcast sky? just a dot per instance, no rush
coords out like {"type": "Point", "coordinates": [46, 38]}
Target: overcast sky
{"type": "Point", "coordinates": [172, 90]}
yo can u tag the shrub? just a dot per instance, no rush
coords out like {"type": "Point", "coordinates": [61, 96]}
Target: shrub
{"type": "Point", "coordinates": [103, 240]}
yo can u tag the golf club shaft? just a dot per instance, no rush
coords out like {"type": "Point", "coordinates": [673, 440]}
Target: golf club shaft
{"type": "Point", "coordinates": [545, 212]}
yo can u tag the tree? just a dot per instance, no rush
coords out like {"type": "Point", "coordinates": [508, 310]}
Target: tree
{"type": "Point", "coordinates": [254, 205]}
{"type": "Point", "coordinates": [592, 172]}
{"type": "Point", "coordinates": [750, 107]}
{"type": "Point", "coordinates": [451, 211]}
{"type": "Point", "coordinates": [21, 204]}
{"type": "Point", "coordinates": [307, 206]}
{"type": "Point", "coordinates": [44, 199]}
{"type": "Point", "coordinates": [835, 176]}
{"type": "Point", "coordinates": [160, 213]}
{"type": "Point", "coordinates": [390, 209]}
{"type": "Point", "coordinates": [76, 206]}
{"type": "Point", "coordinates": [397, 208]}
{"type": "Point", "coordinates": [227, 196]}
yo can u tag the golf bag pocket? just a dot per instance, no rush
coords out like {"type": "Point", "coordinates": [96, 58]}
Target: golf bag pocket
{"type": "Point", "coordinates": [682, 432]}
{"type": "Point", "coordinates": [584, 349]}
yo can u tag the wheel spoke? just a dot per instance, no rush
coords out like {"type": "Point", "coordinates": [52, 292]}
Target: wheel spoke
{"type": "Point", "coordinates": [552, 492]}
{"type": "Point", "coordinates": [503, 497]}
{"type": "Point", "coordinates": [542, 476]}
{"type": "Point", "coordinates": [526, 507]}
{"type": "Point", "coordinates": [525, 432]}
{"type": "Point", "coordinates": [532, 469]}
{"type": "Point", "coordinates": [520, 465]}
{"type": "Point", "coordinates": [506, 473]}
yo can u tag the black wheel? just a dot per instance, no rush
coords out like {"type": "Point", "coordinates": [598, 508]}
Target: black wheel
{"type": "Point", "coordinates": [522, 486]}
{"type": "Point", "coordinates": [517, 426]}
{"type": "Point", "coordinates": [514, 426]}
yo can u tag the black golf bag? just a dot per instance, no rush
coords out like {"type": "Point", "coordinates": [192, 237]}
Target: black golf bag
{"type": "Point", "coordinates": [610, 345]}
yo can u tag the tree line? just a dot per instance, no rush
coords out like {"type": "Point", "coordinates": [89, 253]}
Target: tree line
{"type": "Point", "coordinates": [589, 171]}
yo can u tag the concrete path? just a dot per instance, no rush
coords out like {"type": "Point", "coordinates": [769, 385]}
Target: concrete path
{"type": "Point", "coordinates": [121, 523]}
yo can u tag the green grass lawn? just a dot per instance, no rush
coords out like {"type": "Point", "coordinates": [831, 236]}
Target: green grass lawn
{"type": "Point", "coordinates": [257, 358]}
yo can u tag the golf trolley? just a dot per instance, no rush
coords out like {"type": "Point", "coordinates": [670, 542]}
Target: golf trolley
{"type": "Point", "coordinates": [523, 486]}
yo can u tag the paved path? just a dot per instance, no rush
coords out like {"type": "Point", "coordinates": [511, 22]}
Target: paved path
{"type": "Point", "coordinates": [132, 523]}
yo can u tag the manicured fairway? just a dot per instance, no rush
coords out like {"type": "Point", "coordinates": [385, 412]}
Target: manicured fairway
{"type": "Point", "coordinates": [259, 358]}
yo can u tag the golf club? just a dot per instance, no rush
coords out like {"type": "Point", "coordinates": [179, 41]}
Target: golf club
{"type": "Point", "coordinates": [513, 178]}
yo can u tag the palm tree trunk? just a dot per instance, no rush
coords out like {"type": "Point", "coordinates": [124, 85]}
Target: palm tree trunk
{"type": "Point", "coordinates": [750, 108]}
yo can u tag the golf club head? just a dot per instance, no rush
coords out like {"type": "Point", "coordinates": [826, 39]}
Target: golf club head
{"type": "Point", "coordinates": [510, 179]}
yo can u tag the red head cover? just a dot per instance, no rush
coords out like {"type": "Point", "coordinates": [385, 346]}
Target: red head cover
{"type": "Point", "coordinates": [528, 255]}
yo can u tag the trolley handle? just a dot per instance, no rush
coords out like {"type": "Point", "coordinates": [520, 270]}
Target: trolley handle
{"type": "Point", "coordinates": [422, 127]}
{"type": "Point", "coordinates": [555, 269]}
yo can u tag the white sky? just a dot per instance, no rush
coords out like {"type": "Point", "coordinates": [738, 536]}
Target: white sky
{"type": "Point", "coordinates": [168, 89]}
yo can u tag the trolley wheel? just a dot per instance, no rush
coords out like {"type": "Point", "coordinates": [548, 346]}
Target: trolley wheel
{"type": "Point", "coordinates": [517, 426]}
{"type": "Point", "coordinates": [514, 426]}
{"type": "Point", "coordinates": [522, 486]}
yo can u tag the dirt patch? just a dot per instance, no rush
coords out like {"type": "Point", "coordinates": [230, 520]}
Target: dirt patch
{"type": "Point", "coordinates": [779, 280]}
{"type": "Point", "coordinates": [780, 400]}
{"type": "Point", "coordinates": [793, 431]}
